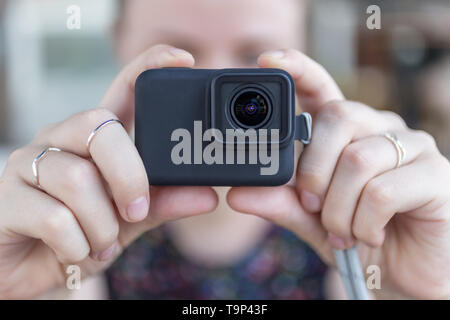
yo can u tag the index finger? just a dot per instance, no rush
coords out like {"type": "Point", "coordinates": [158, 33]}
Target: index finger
{"type": "Point", "coordinates": [111, 149]}
{"type": "Point", "coordinates": [314, 85]}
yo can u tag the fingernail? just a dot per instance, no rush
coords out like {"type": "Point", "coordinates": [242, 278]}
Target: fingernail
{"type": "Point", "coordinates": [278, 54]}
{"type": "Point", "coordinates": [338, 242]}
{"type": "Point", "coordinates": [178, 52]}
{"type": "Point", "coordinates": [310, 201]}
{"type": "Point", "coordinates": [105, 254]}
{"type": "Point", "coordinates": [138, 209]}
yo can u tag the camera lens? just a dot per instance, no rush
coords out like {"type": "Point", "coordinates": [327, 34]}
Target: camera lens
{"type": "Point", "coordinates": [250, 109]}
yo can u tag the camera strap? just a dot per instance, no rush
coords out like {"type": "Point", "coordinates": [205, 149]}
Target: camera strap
{"type": "Point", "coordinates": [349, 267]}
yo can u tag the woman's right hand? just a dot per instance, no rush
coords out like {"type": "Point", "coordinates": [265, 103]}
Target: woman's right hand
{"type": "Point", "coordinates": [92, 203]}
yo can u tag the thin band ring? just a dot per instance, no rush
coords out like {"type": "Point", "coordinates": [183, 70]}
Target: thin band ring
{"type": "Point", "coordinates": [401, 152]}
{"type": "Point", "coordinates": [96, 130]}
{"type": "Point", "coordinates": [35, 165]}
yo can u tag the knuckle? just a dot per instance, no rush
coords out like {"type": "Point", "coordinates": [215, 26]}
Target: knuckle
{"type": "Point", "coordinates": [357, 157]}
{"type": "Point", "coordinates": [321, 85]}
{"type": "Point", "coordinates": [336, 225]}
{"type": "Point", "coordinates": [80, 173]}
{"type": "Point", "coordinates": [312, 179]}
{"type": "Point", "coordinates": [42, 134]}
{"type": "Point", "coordinates": [396, 119]}
{"type": "Point", "coordinates": [336, 111]}
{"type": "Point", "coordinates": [79, 255]}
{"type": "Point", "coordinates": [371, 237]}
{"type": "Point", "coordinates": [98, 115]}
{"type": "Point", "coordinates": [378, 194]}
{"type": "Point", "coordinates": [15, 157]}
{"type": "Point", "coordinates": [107, 236]}
{"type": "Point", "coordinates": [368, 236]}
{"type": "Point", "coordinates": [427, 138]}
{"type": "Point", "coordinates": [361, 232]}
{"type": "Point", "coordinates": [358, 232]}
{"type": "Point", "coordinates": [57, 224]}
{"type": "Point", "coordinates": [376, 240]}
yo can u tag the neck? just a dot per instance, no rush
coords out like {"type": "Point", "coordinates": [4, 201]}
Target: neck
{"type": "Point", "coordinates": [219, 238]}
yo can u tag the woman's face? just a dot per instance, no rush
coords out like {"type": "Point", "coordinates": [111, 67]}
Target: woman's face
{"type": "Point", "coordinates": [220, 34]}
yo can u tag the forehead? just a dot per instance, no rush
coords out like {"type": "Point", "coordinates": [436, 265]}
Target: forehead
{"type": "Point", "coordinates": [200, 19]}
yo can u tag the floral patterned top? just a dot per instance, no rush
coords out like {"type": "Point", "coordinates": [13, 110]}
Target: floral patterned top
{"type": "Point", "coordinates": [281, 267]}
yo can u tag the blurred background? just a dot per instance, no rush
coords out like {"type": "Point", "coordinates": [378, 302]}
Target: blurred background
{"type": "Point", "coordinates": [48, 72]}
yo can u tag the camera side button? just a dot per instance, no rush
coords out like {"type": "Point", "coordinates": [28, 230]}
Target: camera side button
{"type": "Point", "coordinates": [303, 127]}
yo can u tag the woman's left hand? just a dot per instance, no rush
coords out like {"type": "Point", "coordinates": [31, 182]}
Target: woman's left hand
{"type": "Point", "coordinates": [349, 190]}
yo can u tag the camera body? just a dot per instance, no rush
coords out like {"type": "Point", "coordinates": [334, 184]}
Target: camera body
{"type": "Point", "coordinates": [227, 127]}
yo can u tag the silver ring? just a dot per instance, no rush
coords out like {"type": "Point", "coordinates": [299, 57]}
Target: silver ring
{"type": "Point", "coordinates": [401, 152]}
{"type": "Point", "coordinates": [35, 165]}
{"type": "Point", "coordinates": [96, 130]}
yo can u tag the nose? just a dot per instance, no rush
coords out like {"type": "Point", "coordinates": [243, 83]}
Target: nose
{"type": "Point", "coordinates": [218, 59]}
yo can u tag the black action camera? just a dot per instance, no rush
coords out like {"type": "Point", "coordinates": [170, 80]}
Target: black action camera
{"type": "Point", "coordinates": [229, 127]}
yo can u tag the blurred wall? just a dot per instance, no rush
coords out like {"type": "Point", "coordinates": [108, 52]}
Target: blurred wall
{"type": "Point", "coordinates": [3, 93]}
{"type": "Point", "coordinates": [48, 72]}
{"type": "Point", "coordinates": [52, 71]}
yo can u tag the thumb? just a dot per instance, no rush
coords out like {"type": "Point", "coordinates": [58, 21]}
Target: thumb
{"type": "Point", "coordinates": [168, 204]}
{"type": "Point", "coordinates": [314, 85]}
{"type": "Point", "coordinates": [281, 206]}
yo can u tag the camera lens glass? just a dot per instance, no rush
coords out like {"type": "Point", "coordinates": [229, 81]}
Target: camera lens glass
{"type": "Point", "coordinates": [250, 109]}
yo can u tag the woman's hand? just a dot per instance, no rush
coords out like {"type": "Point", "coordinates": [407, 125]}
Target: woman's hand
{"type": "Point", "coordinates": [94, 202]}
{"type": "Point", "coordinates": [348, 189]}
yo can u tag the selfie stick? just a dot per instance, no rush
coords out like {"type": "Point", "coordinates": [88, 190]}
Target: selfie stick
{"type": "Point", "coordinates": [349, 267]}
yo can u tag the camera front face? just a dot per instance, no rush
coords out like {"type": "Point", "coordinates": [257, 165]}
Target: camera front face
{"type": "Point", "coordinates": [253, 99]}
{"type": "Point", "coordinates": [177, 107]}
